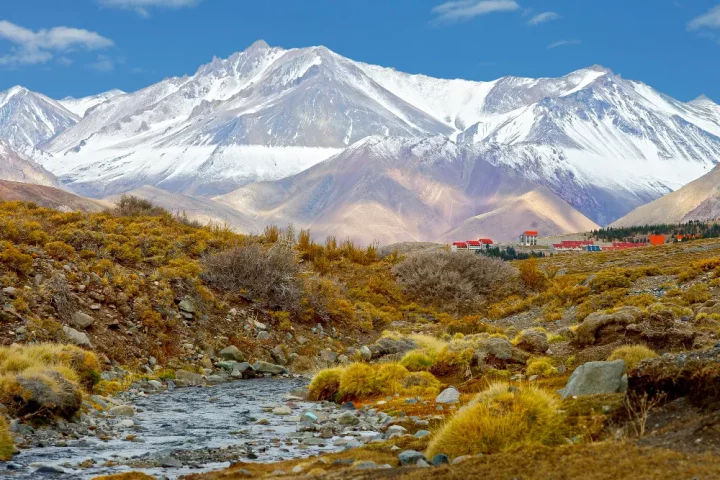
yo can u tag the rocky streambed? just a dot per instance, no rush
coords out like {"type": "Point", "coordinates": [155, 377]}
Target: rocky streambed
{"type": "Point", "coordinates": [185, 430]}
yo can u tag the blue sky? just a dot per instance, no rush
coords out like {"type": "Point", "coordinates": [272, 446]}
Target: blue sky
{"type": "Point", "coordinates": [82, 47]}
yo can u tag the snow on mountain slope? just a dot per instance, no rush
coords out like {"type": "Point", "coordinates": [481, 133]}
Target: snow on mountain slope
{"type": "Point", "coordinates": [80, 106]}
{"type": "Point", "coordinates": [28, 118]}
{"type": "Point", "coordinates": [538, 209]}
{"type": "Point", "coordinates": [392, 189]}
{"type": "Point", "coordinates": [302, 104]}
{"type": "Point", "coordinates": [698, 200]}
{"type": "Point", "coordinates": [16, 167]}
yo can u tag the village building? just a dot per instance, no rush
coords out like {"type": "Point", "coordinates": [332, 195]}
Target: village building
{"type": "Point", "coordinates": [481, 244]}
{"type": "Point", "coordinates": [529, 238]}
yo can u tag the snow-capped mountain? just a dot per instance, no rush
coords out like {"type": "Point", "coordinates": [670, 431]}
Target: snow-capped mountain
{"type": "Point", "coordinates": [80, 106]}
{"type": "Point", "coordinates": [28, 118]}
{"type": "Point", "coordinates": [600, 142]}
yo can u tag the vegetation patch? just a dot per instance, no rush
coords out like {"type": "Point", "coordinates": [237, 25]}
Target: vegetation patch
{"type": "Point", "coordinates": [501, 418]}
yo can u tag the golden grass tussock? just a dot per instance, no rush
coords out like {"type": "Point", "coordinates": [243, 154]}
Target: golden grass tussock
{"type": "Point", "coordinates": [325, 384]}
{"type": "Point", "coordinates": [419, 360]}
{"type": "Point", "coordinates": [359, 381]}
{"type": "Point", "coordinates": [632, 354]}
{"type": "Point", "coordinates": [542, 367]}
{"type": "Point", "coordinates": [7, 446]}
{"type": "Point", "coordinates": [501, 418]}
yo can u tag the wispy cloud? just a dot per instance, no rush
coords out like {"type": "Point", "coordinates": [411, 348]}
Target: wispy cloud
{"type": "Point", "coordinates": [34, 47]}
{"type": "Point", "coordinates": [463, 10]}
{"type": "Point", "coordinates": [711, 19]}
{"type": "Point", "coordinates": [103, 64]}
{"type": "Point", "coordinates": [542, 18]}
{"type": "Point", "coordinates": [563, 43]}
{"type": "Point", "coordinates": [142, 6]}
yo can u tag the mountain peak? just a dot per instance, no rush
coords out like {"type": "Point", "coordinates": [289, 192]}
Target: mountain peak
{"type": "Point", "coordinates": [259, 45]}
{"type": "Point", "coordinates": [702, 100]}
{"type": "Point", "coordinates": [599, 68]}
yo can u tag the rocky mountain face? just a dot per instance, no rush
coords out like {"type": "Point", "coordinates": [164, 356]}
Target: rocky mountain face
{"type": "Point", "coordinates": [16, 167]}
{"type": "Point", "coordinates": [698, 200]}
{"type": "Point", "coordinates": [404, 190]}
{"type": "Point", "coordinates": [602, 144]}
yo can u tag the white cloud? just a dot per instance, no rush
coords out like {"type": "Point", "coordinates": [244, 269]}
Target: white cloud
{"type": "Point", "coordinates": [142, 6]}
{"type": "Point", "coordinates": [462, 10]}
{"type": "Point", "coordinates": [711, 19]}
{"type": "Point", "coordinates": [563, 43]}
{"type": "Point", "coordinates": [34, 47]}
{"type": "Point", "coordinates": [543, 17]}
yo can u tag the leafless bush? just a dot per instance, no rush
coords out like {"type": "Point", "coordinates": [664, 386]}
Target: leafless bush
{"type": "Point", "coordinates": [61, 299]}
{"type": "Point", "coordinates": [639, 407]}
{"type": "Point", "coordinates": [131, 206]}
{"type": "Point", "coordinates": [271, 276]}
{"type": "Point", "coordinates": [459, 282]}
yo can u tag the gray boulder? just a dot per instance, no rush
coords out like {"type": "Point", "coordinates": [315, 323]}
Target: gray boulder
{"type": "Point", "coordinates": [533, 341]}
{"type": "Point", "coordinates": [391, 346]}
{"type": "Point", "coordinates": [187, 306]}
{"type": "Point", "coordinates": [44, 400]}
{"type": "Point", "coordinates": [449, 395]}
{"type": "Point", "coordinates": [77, 338]}
{"type": "Point", "coordinates": [596, 377]}
{"type": "Point", "coordinates": [122, 411]}
{"type": "Point", "coordinates": [278, 355]}
{"type": "Point", "coordinates": [185, 377]}
{"type": "Point", "coordinates": [232, 353]}
{"type": "Point", "coordinates": [81, 320]}
{"type": "Point", "coordinates": [411, 457]}
{"type": "Point", "coordinates": [328, 356]}
{"type": "Point", "coordinates": [266, 367]}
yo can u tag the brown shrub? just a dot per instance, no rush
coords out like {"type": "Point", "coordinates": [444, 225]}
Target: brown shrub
{"type": "Point", "coordinates": [131, 206]}
{"type": "Point", "coordinates": [457, 282]}
{"type": "Point", "coordinates": [268, 275]}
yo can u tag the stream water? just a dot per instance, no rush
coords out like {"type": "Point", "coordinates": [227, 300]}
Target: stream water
{"type": "Point", "coordinates": [185, 423]}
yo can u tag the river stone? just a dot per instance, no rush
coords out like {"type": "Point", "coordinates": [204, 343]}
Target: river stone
{"type": "Point", "coordinates": [78, 338]}
{"type": "Point", "coordinates": [422, 433]}
{"type": "Point", "coordinates": [284, 410]}
{"type": "Point", "coordinates": [170, 462]}
{"type": "Point", "coordinates": [411, 457]}
{"type": "Point", "coordinates": [348, 418]}
{"type": "Point", "coordinates": [81, 320]}
{"type": "Point", "coordinates": [228, 365]}
{"type": "Point", "coordinates": [440, 459]}
{"type": "Point", "coordinates": [449, 395]}
{"type": "Point", "coordinates": [188, 378]}
{"type": "Point", "coordinates": [232, 353]}
{"type": "Point", "coordinates": [51, 469]}
{"type": "Point", "coordinates": [263, 335]}
{"type": "Point", "coordinates": [596, 377]}
{"type": "Point", "coordinates": [122, 411]}
{"type": "Point", "coordinates": [43, 400]}
{"type": "Point", "coordinates": [126, 423]}
{"type": "Point", "coordinates": [265, 367]}
{"type": "Point", "coordinates": [278, 355]}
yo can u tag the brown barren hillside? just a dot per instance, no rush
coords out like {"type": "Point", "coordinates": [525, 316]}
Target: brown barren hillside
{"type": "Point", "coordinates": [48, 197]}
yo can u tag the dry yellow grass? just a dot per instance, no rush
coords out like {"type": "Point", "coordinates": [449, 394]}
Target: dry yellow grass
{"type": "Point", "coordinates": [498, 419]}
{"type": "Point", "coordinates": [6, 441]}
{"type": "Point", "coordinates": [325, 384]}
{"type": "Point", "coordinates": [542, 367]}
{"type": "Point", "coordinates": [632, 354]}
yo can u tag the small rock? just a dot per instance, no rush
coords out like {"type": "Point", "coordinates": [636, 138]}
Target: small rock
{"type": "Point", "coordinates": [284, 410]}
{"type": "Point", "coordinates": [78, 338]}
{"type": "Point", "coordinates": [348, 418]}
{"type": "Point", "coordinates": [410, 457]}
{"type": "Point", "coordinates": [232, 353]}
{"type": "Point", "coordinates": [449, 395]}
{"type": "Point", "coordinates": [188, 378]}
{"type": "Point", "coordinates": [460, 459]}
{"type": "Point", "coordinates": [122, 411]}
{"type": "Point", "coordinates": [187, 306]}
{"type": "Point", "coordinates": [596, 377]}
{"type": "Point", "coordinates": [263, 335]}
{"type": "Point", "coordinates": [366, 465]}
{"type": "Point", "coordinates": [422, 463]}
{"type": "Point", "coordinates": [48, 469]}
{"type": "Point", "coordinates": [421, 433]}
{"type": "Point", "coordinates": [170, 462]}
{"type": "Point", "coordinates": [81, 320]}
{"type": "Point", "coordinates": [348, 406]}
{"type": "Point", "coordinates": [440, 459]}
{"type": "Point", "coordinates": [328, 356]}
{"type": "Point", "coordinates": [265, 367]}
{"type": "Point", "coordinates": [365, 353]}
{"type": "Point", "coordinates": [127, 423]}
